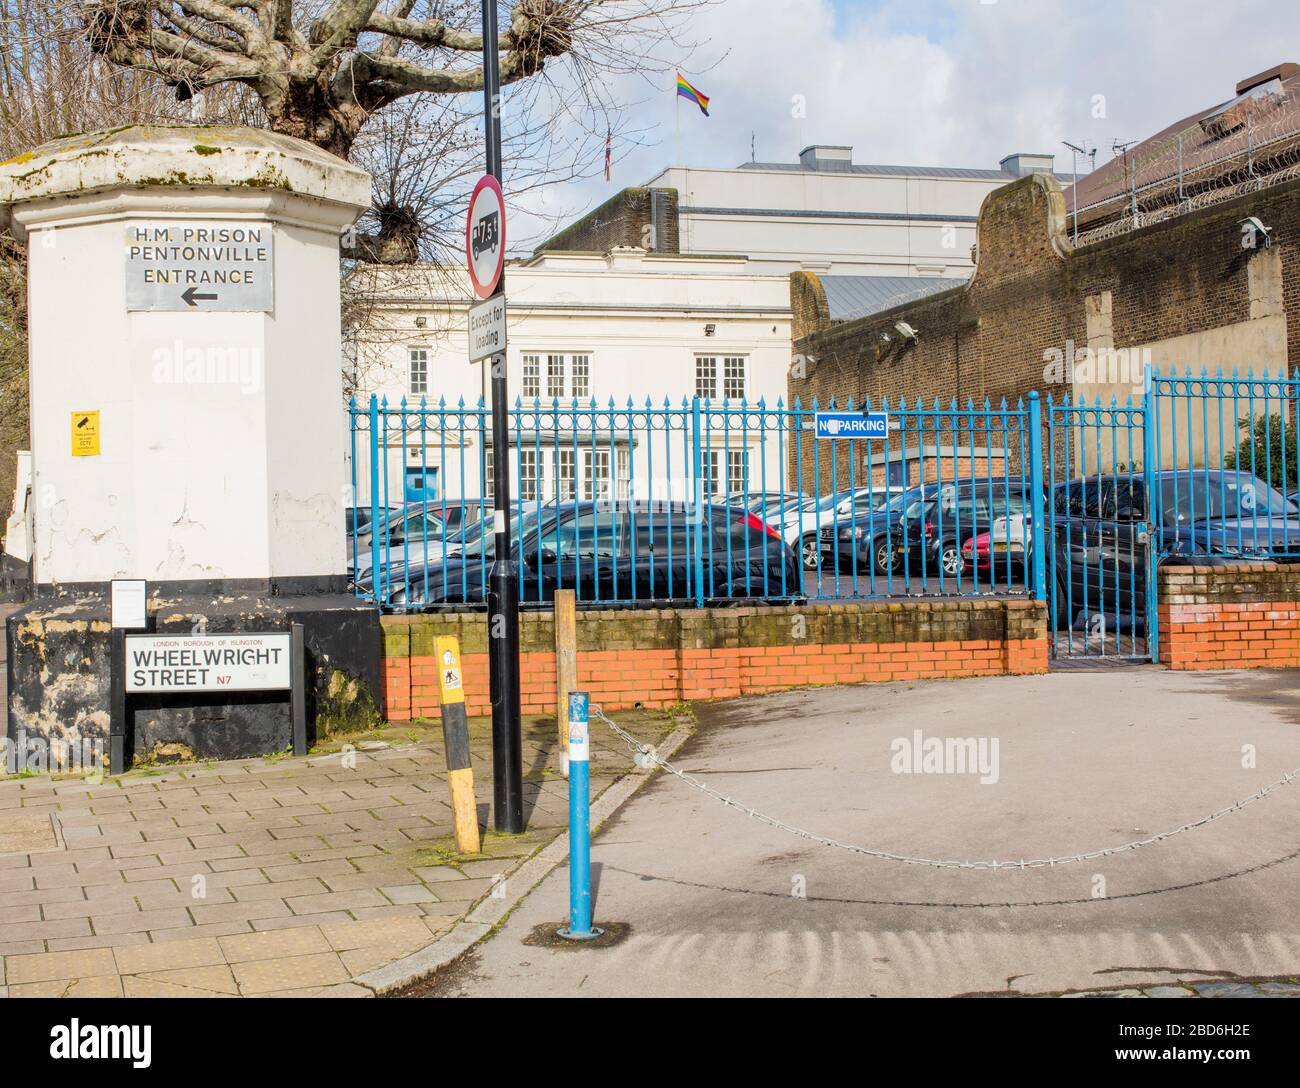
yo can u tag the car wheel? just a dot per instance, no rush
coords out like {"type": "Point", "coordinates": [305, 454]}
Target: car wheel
{"type": "Point", "coordinates": [886, 562]}
{"type": "Point", "coordinates": [810, 551]}
{"type": "Point", "coordinates": [950, 560]}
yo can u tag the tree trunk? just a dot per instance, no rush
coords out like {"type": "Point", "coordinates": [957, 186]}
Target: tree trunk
{"type": "Point", "coordinates": [310, 114]}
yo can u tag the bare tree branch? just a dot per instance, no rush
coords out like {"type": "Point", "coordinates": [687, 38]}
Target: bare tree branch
{"type": "Point", "coordinates": [322, 70]}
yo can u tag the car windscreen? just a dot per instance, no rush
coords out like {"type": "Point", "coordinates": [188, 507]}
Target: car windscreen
{"type": "Point", "coordinates": [1213, 496]}
{"type": "Point", "coordinates": [480, 539]}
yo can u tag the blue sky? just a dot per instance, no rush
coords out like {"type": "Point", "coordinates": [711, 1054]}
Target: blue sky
{"type": "Point", "coordinates": [940, 82]}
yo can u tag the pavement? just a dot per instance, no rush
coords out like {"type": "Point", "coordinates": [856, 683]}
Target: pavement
{"type": "Point", "coordinates": [709, 901]}
{"type": "Point", "coordinates": [329, 875]}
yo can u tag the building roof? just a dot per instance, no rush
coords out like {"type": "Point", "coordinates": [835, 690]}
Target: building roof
{"type": "Point", "coordinates": [1205, 146]}
{"type": "Point", "coordinates": [825, 167]}
{"type": "Point", "coordinates": [852, 297]}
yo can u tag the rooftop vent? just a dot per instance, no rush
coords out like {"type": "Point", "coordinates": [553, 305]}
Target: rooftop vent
{"type": "Point", "coordinates": [1023, 163]}
{"type": "Point", "coordinates": [1255, 96]}
{"type": "Point", "coordinates": [826, 157]}
{"type": "Point", "coordinates": [1281, 71]}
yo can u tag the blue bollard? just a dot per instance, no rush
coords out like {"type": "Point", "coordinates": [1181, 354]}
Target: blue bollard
{"type": "Point", "coordinates": [580, 927]}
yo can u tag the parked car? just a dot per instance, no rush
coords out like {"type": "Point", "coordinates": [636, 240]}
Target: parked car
{"type": "Point", "coordinates": [356, 519]}
{"type": "Point", "coordinates": [459, 513]}
{"type": "Point", "coordinates": [1005, 550]}
{"type": "Point", "coordinates": [960, 510]}
{"type": "Point", "coordinates": [1002, 554]}
{"type": "Point", "coordinates": [867, 533]}
{"type": "Point", "coordinates": [400, 532]}
{"type": "Point", "coordinates": [923, 530]}
{"type": "Point", "coordinates": [799, 523]}
{"type": "Point", "coordinates": [799, 518]}
{"type": "Point", "coordinates": [758, 501]}
{"type": "Point", "coordinates": [625, 551]}
{"type": "Point", "coordinates": [1102, 525]}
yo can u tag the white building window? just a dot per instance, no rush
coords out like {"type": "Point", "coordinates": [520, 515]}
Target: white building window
{"type": "Point", "coordinates": [623, 461]}
{"type": "Point", "coordinates": [733, 377]}
{"type": "Point", "coordinates": [487, 473]}
{"type": "Point", "coordinates": [737, 471]}
{"type": "Point", "coordinates": [555, 375]}
{"type": "Point", "coordinates": [709, 462]}
{"type": "Point", "coordinates": [580, 376]}
{"type": "Point", "coordinates": [737, 462]}
{"type": "Point", "coordinates": [706, 376]}
{"type": "Point", "coordinates": [419, 358]}
{"type": "Point", "coordinates": [567, 376]}
{"type": "Point", "coordinates": [566, 484]}
{"type": "Point", "coordinates": [732, 370]}
{"type": "Point", "coordinates": [532, 387]}
{"type": "Point", "coordinates": [527, 474]}
{"type": "Point", "coordinates": [595, 474]}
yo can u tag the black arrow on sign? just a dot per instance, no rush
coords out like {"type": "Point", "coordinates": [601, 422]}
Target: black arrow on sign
{"type": "Point", "coordinates": [192, 296]}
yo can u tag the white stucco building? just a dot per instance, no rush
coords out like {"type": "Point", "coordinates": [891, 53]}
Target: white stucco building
{"type": "Point", "coordinates": [624, 326]}
{"type": "Point", "coordinates": [827, 214]}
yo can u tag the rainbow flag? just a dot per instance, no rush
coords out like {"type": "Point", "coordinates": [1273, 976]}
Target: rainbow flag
{"type": "Point", "coordinates": [685, 90]}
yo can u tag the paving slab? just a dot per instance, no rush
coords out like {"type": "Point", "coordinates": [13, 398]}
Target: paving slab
{"type": "Point", "coordinates": [276, 877]}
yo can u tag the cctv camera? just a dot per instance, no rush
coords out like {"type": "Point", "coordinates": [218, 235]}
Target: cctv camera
{"type": "Point", "coordinates": [907, 332]}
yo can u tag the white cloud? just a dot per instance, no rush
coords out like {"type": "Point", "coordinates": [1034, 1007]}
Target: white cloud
{"type": "Point", "coordinates": [944, 82]}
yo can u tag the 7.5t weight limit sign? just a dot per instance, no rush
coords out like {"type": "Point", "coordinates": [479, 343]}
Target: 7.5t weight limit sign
{"type": "Point", "coordinates": [485, 236]}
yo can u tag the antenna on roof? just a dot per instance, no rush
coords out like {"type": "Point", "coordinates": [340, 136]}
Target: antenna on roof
{"type": "Point", "coordinates": [753, 155]}
{"type": "Point", "coordinates": [1121, 148]}
{"type": "Point", "coordinates": [1074, 187]}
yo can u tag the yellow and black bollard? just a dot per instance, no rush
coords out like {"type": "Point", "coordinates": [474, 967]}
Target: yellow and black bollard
{"type": "Point", "coordinates": [455, 734]}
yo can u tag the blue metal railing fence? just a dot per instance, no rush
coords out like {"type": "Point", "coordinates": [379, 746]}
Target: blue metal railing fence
{"type": "Point", "coordinates": [702, 501]}
{"type": "Point", "coordinates": [695, 502]}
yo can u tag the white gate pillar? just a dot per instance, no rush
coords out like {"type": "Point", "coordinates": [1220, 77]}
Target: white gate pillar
{"type": "Point", "coordinates": [186, 397]}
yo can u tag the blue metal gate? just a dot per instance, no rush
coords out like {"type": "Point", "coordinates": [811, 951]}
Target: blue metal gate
{"type": "Point", "coordinates": [1100, 574]}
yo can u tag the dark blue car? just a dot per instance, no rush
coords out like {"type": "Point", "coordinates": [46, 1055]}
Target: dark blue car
{"type": "Point", "coordinates": [1101, 527]}
{"type": "Point", "coordinates": [609, 552]}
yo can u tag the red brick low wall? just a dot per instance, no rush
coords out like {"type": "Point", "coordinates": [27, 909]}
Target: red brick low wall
{"type": "Point", "coordinates": [661, 657]}
{"type": "Point", "coordinates": [1246, 616]}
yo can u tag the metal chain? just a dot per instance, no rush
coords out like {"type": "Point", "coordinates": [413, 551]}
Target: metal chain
{"type": "Point", "coordinates": [646, 751]}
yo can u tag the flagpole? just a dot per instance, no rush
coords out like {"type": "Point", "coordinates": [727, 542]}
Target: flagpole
{"type": "Point", "coordinates": [677, 126]}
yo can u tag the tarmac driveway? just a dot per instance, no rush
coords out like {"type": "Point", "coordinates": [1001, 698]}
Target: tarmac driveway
{"type": "Point", "coordinates": [718, 903]}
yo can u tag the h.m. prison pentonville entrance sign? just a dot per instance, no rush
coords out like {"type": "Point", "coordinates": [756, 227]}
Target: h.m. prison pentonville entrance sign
{"type": "Point", "coordinates": [200, 265]}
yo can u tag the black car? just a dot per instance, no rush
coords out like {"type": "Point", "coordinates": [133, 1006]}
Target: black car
{"type": "Point", "coordinates": [1102, 527]}
{"type": "Point", "coordinates": [612, 552]}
